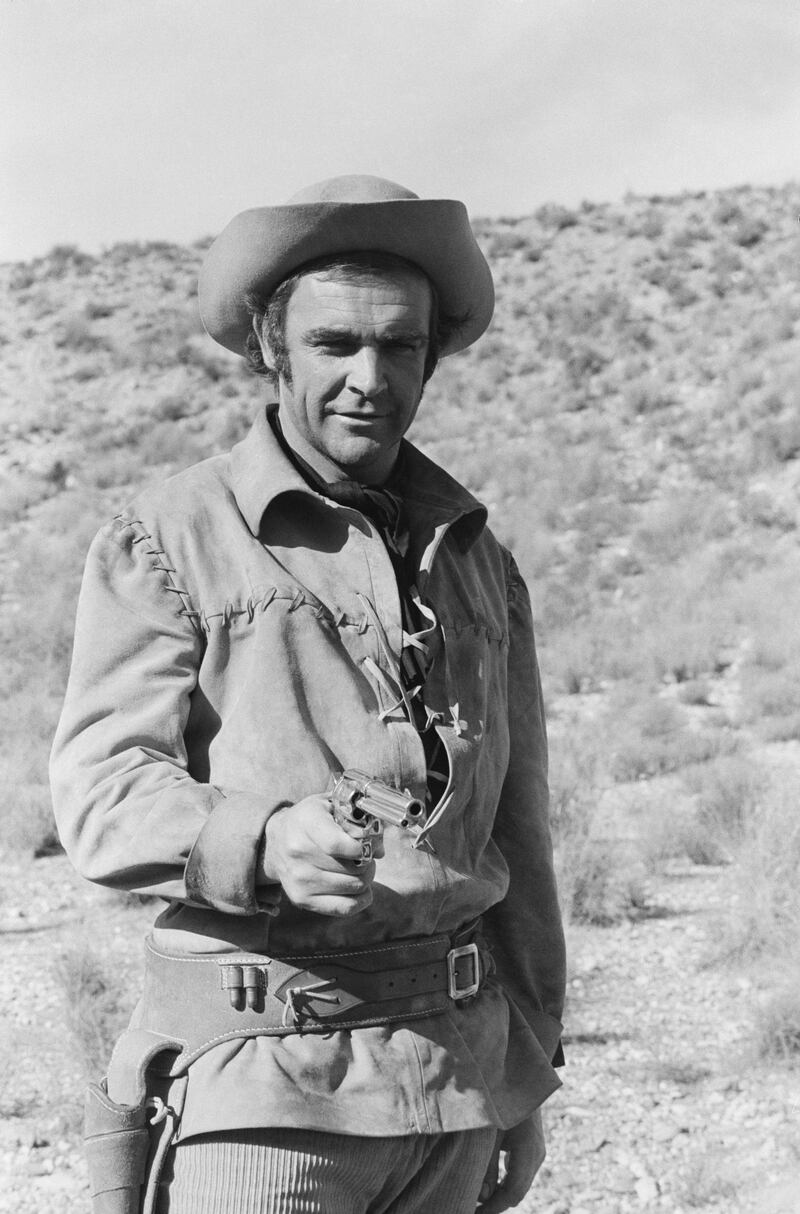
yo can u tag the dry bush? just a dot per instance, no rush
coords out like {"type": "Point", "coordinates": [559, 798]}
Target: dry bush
{"type": "Point", "coordinates": [706, 1178]}
{"type": "Point", "coordinates": [762, 926]}
{"type": "Point", "coordinates": [778, 1016]}
{"type": "Point", "coordinates": [771, 698]}
{"type": "Point", "coordinates": [28, 827]}
{"type": "Point", "coordinates": [96, 1005]}
{"type": "Point", "coordinates": [669, 829]}
{"type": "Point", "coordinates": [654, 736]}
{"type": "Point", "coordinates": [18, 495]}
{"type": "Point", "coordinates": [599, 877]}
{"type": "Point", "coordinates": [764, 919]}
{"type": "Point", "coordinates": [727, 792]}
{"type": "Point", "coordinates": [76, 333]}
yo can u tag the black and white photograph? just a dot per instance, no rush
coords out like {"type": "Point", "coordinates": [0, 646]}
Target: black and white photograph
{"type": "Point", "coordinates": [400, 606]}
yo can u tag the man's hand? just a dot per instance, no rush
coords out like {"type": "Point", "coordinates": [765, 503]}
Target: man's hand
{"type": "Point", "coordinates": [315, 860]}
{"type": "Point", "coordinates": [523, 1151]}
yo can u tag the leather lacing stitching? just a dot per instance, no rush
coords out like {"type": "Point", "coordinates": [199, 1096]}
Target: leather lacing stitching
{"type": "Point", "coordinates": [296, 598]}
{"type": "Point", "coordinates": [157, 566]}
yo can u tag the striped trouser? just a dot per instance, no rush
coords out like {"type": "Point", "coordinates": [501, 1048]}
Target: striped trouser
{"type": "Point", "coordinates": [289, 1171]}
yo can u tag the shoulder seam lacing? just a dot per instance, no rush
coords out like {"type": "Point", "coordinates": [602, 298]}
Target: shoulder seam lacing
{"type": "Point", "coordinates": [167, 569]}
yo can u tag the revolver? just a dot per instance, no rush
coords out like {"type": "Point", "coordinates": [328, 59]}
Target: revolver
{"type": "Point", "coordinates": [362, 806]}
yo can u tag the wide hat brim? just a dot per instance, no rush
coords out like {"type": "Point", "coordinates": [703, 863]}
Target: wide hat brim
{"type": "Point", "coordinates": [261, 247]}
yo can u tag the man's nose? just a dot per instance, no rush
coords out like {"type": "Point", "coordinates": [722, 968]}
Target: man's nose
{"type": "Point", "coordinates": [366, 374]}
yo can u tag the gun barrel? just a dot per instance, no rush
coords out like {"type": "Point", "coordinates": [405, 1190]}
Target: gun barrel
{"type": "Point", "coordinates": [395, 808]}
{"type": "Point", "coordinates": [367, 796]}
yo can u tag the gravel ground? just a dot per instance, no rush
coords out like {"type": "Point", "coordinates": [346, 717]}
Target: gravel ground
{"type": "Point", "coordinates": [665, 1106]}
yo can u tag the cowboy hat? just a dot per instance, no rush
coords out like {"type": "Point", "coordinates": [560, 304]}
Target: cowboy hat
{"type": "Point", "coordinates": [261, 247]}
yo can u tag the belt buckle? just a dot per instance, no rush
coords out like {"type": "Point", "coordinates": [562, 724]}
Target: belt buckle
{"type": "Point", "coordinates": [453, 989]}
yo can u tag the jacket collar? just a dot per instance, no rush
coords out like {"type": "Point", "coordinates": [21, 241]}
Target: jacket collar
{"type": "Point", "coordinates": [261, 473]}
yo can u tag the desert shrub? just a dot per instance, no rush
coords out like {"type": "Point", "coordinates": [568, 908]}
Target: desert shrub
{"type": "Point", "coordinates": [768, 610]}
{"type": "Point", "coordinates": [778, 1017]}
{"type": "Point", "coordinates": [23, 276]}
{"type": "Point", "coordinates": [504, 243]}
{"type": "Point", "coordinates": [727, 792]}
{"type": "Point", "coordinates": [776, 439]}
{"type": "Point", "coordinates": [87, 371]}
{"type": "Point", "coordinates": [36, 640]}
{"type": "Point", "coordinates": [683, 641]}
{"type": "Point", "coordinates": [17, 496]}
{"type": "Point", "coordinates": [706, 1177]}
{"type": "Point", "coordinates": [780, 729]}
{"type": "Point", "coordinates": [750, 231]}
{"type": "Point", "coordinates": [670, 829]}
{"type": "Point", "coordinates": [600, 878]}
{"type": "Point", "coordinates": [28, 826]}
{"type": "Point", "coordinates": [96, 1006]}
{"type": "Point", "coordinates": [681, 292]}
{"type": "Point", "coordinates": [196, 354]}
{"type": "Point", "coordinates": [552, 215]}
{"type": "Point", "coordinates": [651, 225]}
{"type": "Point", "coordinates": [99, 310]}
{"type": "Point", "coordinates": [670, 527]}
{"type": "Point", "coordinates": [75, 333]}
{"type": "Point", "coordinates": [171, 444]}
{"type": "Point", "coordinates": [534, 252]}
{"type": "Point", "coordinates": [771, 698]}
{"type": "Point", "coordinates": [759, 507]}
{"type": "Point", "coordinates": [727, 211]}
{"type": "Point", "coordinates": [606, 884]}
{"type": "Point", "coordinates": [171, 407]}
{"type": "Point", "coordinates": [64, 257]}
{"type": "Point", "coordinates": [27, 724]}
{"type": "Point", "coordinates": [764, 916]}
{"type": "Point", "coordinates": [114, 468]}
{"type": "Point", "coordinates": [643, 757]}
{"type": "Point", "coordinates": [230, 428]}
{"type": "Point", "coordinates": [696, 691]}
{"type": "Point", "coordinates": [167, 339]}
{"type": "Point", "coordinates": [574, 658]}
{"type": "Point", "coordinates": [583, 360]}
{"type": "Point", "coordinates": [654, 736]}
{"type": "Point", "coordinates": [647, 395]}
{"type": "Point", "coordinates": [657, 272]}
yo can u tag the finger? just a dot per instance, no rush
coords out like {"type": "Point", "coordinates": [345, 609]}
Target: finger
{"type": "Point", "coordinates": [342, 881]}
{"type": "Point", "coordinates": [342, 866]}
{"type": "Point", "coordinates": [334, 841]}
{"type": "Point", "coordinates": [515, 1185]}
{"type": "Point", "coordinates": [500, 1200]}
{"type": "Point", "coordinates": [340, 908]}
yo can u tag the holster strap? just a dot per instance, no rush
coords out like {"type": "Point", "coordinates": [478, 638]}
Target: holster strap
{"type": "Point", "coordinates": [202, 1001]}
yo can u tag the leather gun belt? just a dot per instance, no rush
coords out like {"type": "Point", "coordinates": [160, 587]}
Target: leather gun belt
{"type": "Point", "coordinates": [204, 1000]}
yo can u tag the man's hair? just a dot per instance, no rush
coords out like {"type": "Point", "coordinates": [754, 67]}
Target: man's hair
{"type": "Point", "coordinates": [268, 316]}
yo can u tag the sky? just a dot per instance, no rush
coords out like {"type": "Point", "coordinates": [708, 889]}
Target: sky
{"type": "Point", "coordinates": [161, 119]}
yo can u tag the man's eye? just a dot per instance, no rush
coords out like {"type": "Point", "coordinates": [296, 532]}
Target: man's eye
{"type": "Point", "coordinates": [403, 344]}
{"type": "Point", "coordinates": [338, 347]}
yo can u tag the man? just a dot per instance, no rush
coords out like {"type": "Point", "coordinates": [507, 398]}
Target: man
{"type": "Point", "coordinates": [321, 1029]}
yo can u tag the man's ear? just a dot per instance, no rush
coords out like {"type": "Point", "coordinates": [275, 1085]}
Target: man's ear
{"type": "Point", "coordinates": [267, 355]}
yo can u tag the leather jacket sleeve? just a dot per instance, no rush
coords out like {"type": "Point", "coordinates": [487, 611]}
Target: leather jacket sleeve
{"type": "Point", "coordinates": [525, 929]}
{"type": "Point", "coordinates": [129, 813]}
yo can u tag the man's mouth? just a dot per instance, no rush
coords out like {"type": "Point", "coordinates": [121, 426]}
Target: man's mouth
{"type": "Point", "coordinates": [360, 416]}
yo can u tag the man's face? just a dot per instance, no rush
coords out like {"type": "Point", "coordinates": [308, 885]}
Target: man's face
{"type": "Point", "coordinates": [356, 353]}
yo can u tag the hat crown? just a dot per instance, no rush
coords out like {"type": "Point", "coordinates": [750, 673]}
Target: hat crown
{"type": "Point", "coordinates": [353, 187]}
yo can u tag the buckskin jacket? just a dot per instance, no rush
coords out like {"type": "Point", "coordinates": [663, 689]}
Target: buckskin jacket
{"type": "Point", "coordinates": [237, 642]}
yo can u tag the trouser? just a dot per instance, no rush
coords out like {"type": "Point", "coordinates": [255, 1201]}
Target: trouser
{"type": "Point", "coordinates": [293, 1171]}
